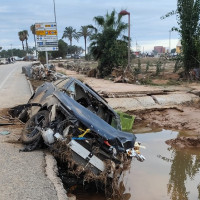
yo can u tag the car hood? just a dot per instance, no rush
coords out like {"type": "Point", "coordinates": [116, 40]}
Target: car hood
{"type": "Point", "coordinates": [119, 139]}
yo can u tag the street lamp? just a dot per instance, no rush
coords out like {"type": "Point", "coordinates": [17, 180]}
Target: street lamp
{"type": "Point", "coordinates": [11, 50]}
{"type": "Point", "coordinates": [124, 12]}
{"type": "Point", "coordinates": [170, 31]}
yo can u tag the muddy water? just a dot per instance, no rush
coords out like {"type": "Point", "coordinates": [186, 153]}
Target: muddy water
{"type": "Point", "coordinates": [166, 173]}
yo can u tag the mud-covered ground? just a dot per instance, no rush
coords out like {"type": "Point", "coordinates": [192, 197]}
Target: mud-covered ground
{"type": "Point", "coordinates": [12, 126]}
{"type": "Point", "coordinates": [184, 119]}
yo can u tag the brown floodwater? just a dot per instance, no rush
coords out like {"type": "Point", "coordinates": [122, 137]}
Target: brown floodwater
{"type": "Point", "coordinates": [166, 174]}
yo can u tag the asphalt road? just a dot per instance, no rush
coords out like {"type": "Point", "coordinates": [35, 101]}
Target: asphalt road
{"type": "Point", "coordinates": [22, 174]}
{"type": "Point", "coordinates": [14, 89]}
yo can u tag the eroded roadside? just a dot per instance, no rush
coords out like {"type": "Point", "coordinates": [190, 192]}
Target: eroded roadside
{"type": "Point", "coordinates": [184, 119]}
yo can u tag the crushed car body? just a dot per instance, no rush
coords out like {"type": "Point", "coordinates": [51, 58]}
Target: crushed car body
{"type": "Point", "coordinates": [71, 112]}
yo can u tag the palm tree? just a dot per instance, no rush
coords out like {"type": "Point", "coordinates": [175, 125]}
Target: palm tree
{"type": "Point", "coordinates": [70, 33]}
{"type": "Point", "coordinates": [108, 44]}
{"type": "Point", "coordinates": [26, 38]}
{"type": "Point", "coordinates": [85, 32]}
{"type": "Point", "coordinates": [32, 28]}
{"type": "Point", "coordinates": [21, 38]}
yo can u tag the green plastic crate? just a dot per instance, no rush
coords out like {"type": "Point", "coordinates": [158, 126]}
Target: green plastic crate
{"type": "Point", "coordinates": [126, 121]}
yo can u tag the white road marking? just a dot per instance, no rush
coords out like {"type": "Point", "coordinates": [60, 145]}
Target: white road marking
{"type": "Point", "coordinates": [7, 77]}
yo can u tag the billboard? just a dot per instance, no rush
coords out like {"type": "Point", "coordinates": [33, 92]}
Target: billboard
{"type": "Point", "coordinates": [46, 36]}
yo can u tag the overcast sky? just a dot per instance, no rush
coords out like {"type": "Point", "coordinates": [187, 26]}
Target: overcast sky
{"type": "Point", "coordinates": [146, 26]}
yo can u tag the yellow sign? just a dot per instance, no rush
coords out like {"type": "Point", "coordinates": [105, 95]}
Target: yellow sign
{"type": "Point", "coordinates": [52, 32]}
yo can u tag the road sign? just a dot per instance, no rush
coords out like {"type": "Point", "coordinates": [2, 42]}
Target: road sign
{"type": "Point", "coordinates": [47, 48]}
{"type": "Point", "coordinates": [46, 36]}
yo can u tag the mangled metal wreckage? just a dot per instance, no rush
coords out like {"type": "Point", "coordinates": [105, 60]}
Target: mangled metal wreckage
{"type": "Point", "coordinates": [71, 112]}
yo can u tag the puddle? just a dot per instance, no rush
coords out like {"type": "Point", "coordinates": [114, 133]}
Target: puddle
{"type": "Point", "coordinates": [166, 173]}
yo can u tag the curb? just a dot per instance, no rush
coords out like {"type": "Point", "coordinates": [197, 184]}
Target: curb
{"type": "Point", "coordinates": [51, 173]}
{"type": "Point", "coordinates": [30, 86]}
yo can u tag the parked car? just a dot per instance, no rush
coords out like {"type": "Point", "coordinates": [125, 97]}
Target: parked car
{"type": "Point", "coordinates": [30, 58]}
{"type": "Point", "coordinates": [69, 110]}
{"type": "Point", "coordinates": [17, 58]}
{"type": "Point", "coordinates": [75, 56]}
{"type": "Point", "coordinates": [3, 61]}
{"type": "Point", "coordinates": [68, 56]}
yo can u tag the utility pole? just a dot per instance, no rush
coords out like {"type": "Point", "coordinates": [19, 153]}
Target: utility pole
{"type": "Point", "coordinates": [11, 50]}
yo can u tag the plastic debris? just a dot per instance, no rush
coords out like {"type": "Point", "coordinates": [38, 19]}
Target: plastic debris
{"type": "Point", "coordinates": [4, 132]}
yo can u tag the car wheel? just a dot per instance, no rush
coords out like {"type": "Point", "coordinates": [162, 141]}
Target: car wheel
{"type": "Point", "coordinates": [32, 129]}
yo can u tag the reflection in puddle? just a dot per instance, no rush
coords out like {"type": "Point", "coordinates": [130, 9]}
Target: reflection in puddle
{"type": "Point", "coordinates": [166, 173]}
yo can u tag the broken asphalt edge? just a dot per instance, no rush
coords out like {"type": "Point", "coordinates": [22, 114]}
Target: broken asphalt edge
{"type": "Point", "coordinates": [51, 169]}
{"type": "Point", "coordinates": [30, 86]}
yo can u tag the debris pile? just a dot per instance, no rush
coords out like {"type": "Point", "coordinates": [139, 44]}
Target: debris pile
{"type": "Point", "coordinates": [7, 120]}
{"type": "Point", "coordinates": [121, 75]}
{"type": "Point", "coordinates": [38, 71]}
{"type": "Point", "coordinates": [80, 67]}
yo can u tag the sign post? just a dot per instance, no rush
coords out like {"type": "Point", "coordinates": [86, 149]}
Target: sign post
{"type": "Point", "coordinates": [47, 59]}
{"type": "Point", "coordinates": [46, 37]}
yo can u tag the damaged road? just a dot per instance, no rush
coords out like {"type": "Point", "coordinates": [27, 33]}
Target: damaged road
{"type": "Point", "coordinates": [80, 129]}
{"type": "Point", "coordinates": [22, 174]}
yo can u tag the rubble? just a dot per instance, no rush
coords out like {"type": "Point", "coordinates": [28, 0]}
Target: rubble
{"type": "Point", "coordinates": [121, 75]}
{"type": "Point", "coordinates": [4, 132]}
{"type": "Point", "coordinates": [38, 71]}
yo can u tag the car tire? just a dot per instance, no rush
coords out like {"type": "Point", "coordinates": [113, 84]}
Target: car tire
{"type": "Point", "coordinates": [31, 131]}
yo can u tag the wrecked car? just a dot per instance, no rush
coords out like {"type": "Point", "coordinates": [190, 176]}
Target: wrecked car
{"type": "Point", "coordinates": [70, 111]}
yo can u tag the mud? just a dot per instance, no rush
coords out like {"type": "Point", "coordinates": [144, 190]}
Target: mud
{"type": "Point", "coordinates": [184, 119]}
{"type": "Point", "coordinates": [36, 83]}
{"type": "Point", "coordinates": [184, 142]}
{"type": "Point", "coordinates": [5, 118]}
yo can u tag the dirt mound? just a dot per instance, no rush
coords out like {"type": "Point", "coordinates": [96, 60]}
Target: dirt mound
{"type": "Point", "coordinates": [184, 142]}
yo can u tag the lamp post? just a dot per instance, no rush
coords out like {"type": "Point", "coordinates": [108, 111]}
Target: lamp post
{"type": "Point", "coordinates": [46, 52]}
{"type": "Point", "coordinates": [170, 41]}
{"type": "Point", "coordinates": [124, 12]}
{"type": "Point", "coordinates": [11, 50]}
{"type": "Point", "coordinates": [54, 10]}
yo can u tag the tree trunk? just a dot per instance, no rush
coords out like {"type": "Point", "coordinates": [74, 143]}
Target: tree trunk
{"type": "Point", "coordinates": [85, 46]}
{"type": "Point", "coordinates": [71, 45]}
{"type": "Point", "coordinates": [35, 41]}
{"type": "Point", "coordinates": [26, 45]}
{"type": "Point", "coordinates": [23, 45]}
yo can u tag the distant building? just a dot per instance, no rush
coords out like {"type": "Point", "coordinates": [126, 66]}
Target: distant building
{"type": "Point", "coordinates": [136, 53]}
{"type": "Point", "coordinates": [178, 47]}
{"type": "Point", "coordinates": [159, 49]}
